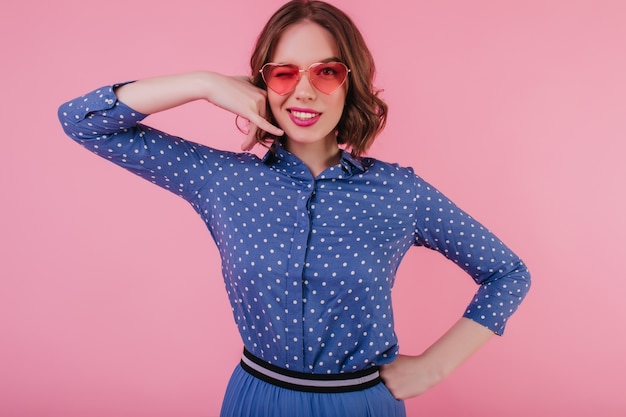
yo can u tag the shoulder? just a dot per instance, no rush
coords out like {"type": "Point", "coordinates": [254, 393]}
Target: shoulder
{"type": "Point", "coordinates": [396, 174]}
{"type": "Point", "coordinates": [377, 167]}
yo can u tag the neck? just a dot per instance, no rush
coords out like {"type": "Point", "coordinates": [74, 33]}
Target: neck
{"type": "Point", "coordinates": [316, 156]}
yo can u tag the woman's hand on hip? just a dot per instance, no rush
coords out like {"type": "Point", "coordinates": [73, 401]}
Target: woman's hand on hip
{"type": "Point", "coordinates": [409, 376]}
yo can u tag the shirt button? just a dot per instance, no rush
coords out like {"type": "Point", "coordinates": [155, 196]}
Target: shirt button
{"type": "Point", "coordinates": [109, 101]}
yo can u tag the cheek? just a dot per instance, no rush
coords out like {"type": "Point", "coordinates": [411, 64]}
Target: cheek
{"type": "Point", "coordinates": [339, 102]}
{"type": "Point", "coordinates": [275, 102]}
{"type": "Point", "coordinates": [341, 96]}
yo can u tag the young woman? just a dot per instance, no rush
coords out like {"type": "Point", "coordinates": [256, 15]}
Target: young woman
{"type": "Point", "coordinates": [310, 236]}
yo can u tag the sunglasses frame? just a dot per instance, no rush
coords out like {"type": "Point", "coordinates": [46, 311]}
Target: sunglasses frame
{"type": "Point", "coordinates": [300, 71]}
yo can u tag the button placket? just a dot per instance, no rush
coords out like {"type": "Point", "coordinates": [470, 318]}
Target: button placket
{"type": "Point", "coordinates": [294, 302]}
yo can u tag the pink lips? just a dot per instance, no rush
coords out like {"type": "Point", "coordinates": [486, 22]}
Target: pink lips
{"type": "Point", "coordinates": [303, 117]}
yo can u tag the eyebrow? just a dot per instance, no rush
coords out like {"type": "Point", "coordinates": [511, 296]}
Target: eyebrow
{"type": "Point", "coordinates": [323, 61]}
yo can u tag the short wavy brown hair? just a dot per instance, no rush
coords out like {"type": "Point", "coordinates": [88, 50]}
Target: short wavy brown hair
{"type": "Point", "coordinates": [365, 114]}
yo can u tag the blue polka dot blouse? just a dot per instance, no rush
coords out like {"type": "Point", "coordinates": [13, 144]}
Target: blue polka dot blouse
{"type": "Point", "coordinates": [308, 263]}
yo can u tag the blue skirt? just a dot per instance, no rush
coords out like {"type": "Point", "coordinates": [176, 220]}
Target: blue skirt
{"type": "Point", "coordinates": [248, 396]}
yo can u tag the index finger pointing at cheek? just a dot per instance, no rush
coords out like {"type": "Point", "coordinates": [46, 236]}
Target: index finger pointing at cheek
{"type": "Point", "coordinates": [263, 124]}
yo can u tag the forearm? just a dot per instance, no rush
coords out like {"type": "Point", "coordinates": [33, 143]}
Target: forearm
{"type": "Point", "coordinates": [234, 94]}
{"type": "Point", "coordinates": [409, 376]}
{"type": "Point", "coordinates": [463, 339]}
{"type": "Point", "coordinates": [152, 95]}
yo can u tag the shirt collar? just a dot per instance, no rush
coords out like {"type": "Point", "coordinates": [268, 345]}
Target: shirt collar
{"type": "Point", "coordinates": [278, 157]}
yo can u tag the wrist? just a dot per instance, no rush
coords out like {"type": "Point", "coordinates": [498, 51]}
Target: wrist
{"type": "Point", "coordinates": [434, 367]}
{"type": "Point", "coordinates": [201, 84]}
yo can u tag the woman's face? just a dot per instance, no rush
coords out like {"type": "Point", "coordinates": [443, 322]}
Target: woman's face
{"type": "Point", "coordinates": [306, 114]}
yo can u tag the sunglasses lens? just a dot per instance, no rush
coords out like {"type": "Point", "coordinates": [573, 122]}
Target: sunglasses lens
{"type": "Point", "coordinates": [281, 78]}
{"type": "Point", "coordinates": [326, 77]}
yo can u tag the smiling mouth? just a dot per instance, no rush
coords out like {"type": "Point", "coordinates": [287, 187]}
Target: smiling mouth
{"type": "Point", "coordinates": [303, 115]}
{"type": "Point", "coordinates": [304, 118]}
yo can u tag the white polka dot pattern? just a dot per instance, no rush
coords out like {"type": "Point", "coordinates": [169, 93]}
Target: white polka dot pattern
{"type": "Point", "coordinates": [308, 263]}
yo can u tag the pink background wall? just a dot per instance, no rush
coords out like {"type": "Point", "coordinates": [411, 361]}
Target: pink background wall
{"type": "Point", "coordinates": [111, 303]}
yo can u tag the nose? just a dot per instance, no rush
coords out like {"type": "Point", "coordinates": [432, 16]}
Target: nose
{"type": "Point", "coordinates": [304, 88]}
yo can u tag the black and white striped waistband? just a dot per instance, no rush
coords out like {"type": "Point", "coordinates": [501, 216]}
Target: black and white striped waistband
{"type": "Point", "coordinates": [299, 381]}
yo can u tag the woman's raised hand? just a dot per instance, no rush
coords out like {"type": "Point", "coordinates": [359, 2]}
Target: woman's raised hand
{"type": "Point", "coordinates": [239, 96]}
{"type": "Point", "coordinates": [234, 94]}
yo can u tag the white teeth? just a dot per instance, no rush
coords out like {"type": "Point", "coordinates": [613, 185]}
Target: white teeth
{"type": "Point", "coordinates": [303, 115]}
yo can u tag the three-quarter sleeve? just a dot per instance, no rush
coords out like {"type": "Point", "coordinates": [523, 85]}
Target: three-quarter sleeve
{"type": "Point", "coordinates": [111, 129]}
{"type": "Point", "coordinates": [502, 276]}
